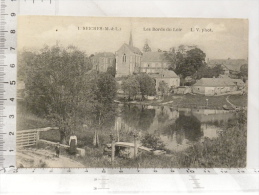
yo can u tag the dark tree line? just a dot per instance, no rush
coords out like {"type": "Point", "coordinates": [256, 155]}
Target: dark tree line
{"type": "Point", "coordinates": [61, 86]}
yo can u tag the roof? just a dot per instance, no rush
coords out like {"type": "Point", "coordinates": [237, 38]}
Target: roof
{"type": "Point", "coordinates": [153, 57]}
{"type": "Point", "coordinates": [104, 54]}
{"type": "Point", "coordinates": [218, 82]}
{"type": "Point", "coordinates": [232, 67]}
{"type": "Point", "coordinates": [132, 49]}
{"type": "Point", "coordinates": [229, 64]}
{"type": "Point", "coordinates": [228, 61]}
{"type": "Point", "coordinates": [165, 74]}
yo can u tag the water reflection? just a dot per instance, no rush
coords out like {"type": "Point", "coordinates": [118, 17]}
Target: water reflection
{"type": "Point", "coordinates": [178, 128]}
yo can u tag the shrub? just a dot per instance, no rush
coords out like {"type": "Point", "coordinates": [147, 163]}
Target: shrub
{"type": "Point", "coordinates": [152, 141]}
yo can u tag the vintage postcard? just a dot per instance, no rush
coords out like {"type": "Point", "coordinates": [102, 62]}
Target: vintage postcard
{"type": "Point", "coordinates": [131, 92]}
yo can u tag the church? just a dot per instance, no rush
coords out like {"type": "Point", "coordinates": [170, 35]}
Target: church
{"type": "Point", "coordinates": [130, 60]}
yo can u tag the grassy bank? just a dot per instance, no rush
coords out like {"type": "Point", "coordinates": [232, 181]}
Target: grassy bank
{"type": "Point", "coordinates": [196, 101]}
{"type": "Point", "coordinates": [228, 150]}
{"type": "Point", "coordinates": [238, 100]}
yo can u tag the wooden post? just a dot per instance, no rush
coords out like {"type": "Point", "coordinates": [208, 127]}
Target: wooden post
{"type": "Point", "coordinates": [37, 136]}
{"type": "Point", "coordinates": [113, 149]}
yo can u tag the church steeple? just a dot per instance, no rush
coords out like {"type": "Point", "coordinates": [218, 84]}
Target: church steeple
{"type": "Point", "coordinates": [130, 40]}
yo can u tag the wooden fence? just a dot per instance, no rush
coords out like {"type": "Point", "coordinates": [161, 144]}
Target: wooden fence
{"type": "Point", "coordinates": [30, 137]}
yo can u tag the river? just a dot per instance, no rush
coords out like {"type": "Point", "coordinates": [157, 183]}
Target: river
{"type": "Point", "coordinates": [178, 128]}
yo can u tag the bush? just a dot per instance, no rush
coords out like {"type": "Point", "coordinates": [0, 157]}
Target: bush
{"type": "Point", "coordinates": [153, 141]}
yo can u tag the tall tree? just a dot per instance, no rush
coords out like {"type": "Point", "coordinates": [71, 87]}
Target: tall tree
{"type": "Point", "coordinates": [163, 87]}
{"type": "Point", "coordinates": [131, 86]}
{"type": "Point", "coordinates": [187, 65]}
{"type": "Point", "coordinates": [147, 84]}
{"type": "Point", "coordinates": [112, 70]}
{"type": "Point", "coordinates": [61, 87]}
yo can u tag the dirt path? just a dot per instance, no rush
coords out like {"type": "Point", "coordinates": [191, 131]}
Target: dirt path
{"type": "Point", "coordinates": [31, 157]}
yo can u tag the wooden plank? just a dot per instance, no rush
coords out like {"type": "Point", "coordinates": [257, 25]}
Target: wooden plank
{"type": "Point", "coordinates": [40, 129]}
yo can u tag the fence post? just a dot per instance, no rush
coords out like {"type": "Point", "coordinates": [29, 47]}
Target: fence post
{"type": "Point", "coordinates": [37, 137]}
{"type": "Point", "coordinates": [113, 149]}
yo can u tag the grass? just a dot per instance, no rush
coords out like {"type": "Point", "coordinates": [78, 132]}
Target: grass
{"type": "Point", "coordinates": [238, 100]}
{"type": "Point", "coordinates": [197, 101]}
{"type": "Point", "coordinates": [26, 120]}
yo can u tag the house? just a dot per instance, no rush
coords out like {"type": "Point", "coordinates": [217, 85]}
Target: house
{"type": "Point", "coordinates": [216, 86]}
{"type": "Point", "coordinates": [183, 90]}
{"type": "Point", "coordinates": [128, 59]}
{"type": "Point", "coordinates": [230, 66]}
{"type": "Point", "coordinates": [153, 62]}
{"type": "Point", "coordinates": [101, 61]}
{"type": "Point", "coordinates": [168, 76]}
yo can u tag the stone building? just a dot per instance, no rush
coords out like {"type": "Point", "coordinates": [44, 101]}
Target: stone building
{"type": "Point", "coordinates": [102, 61]}
{"type": "Point", "coordinates": [128, 59]}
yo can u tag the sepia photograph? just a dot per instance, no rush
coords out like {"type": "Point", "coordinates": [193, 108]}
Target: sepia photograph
{"type": "Point", "coordinates": [115, 92]}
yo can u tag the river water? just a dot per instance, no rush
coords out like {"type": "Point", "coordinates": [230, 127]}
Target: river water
{"type": "Point", "coordinates": [178, 128]}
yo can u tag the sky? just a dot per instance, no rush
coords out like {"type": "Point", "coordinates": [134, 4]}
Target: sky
{"type": "Point", "coordinates": [218, 38]}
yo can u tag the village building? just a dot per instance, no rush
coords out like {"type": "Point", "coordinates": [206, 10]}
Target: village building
{"type": "Point", "coordinates": [153, 62]}
{"type": "Point", "coordinates": [229, 66]}
{"type": "Point", "coordinates": [169, 77]}
{"type": "Point", "coordinates": [130, 60]}
{"type": "Point", "coordinates": [102, 61]}
{"type": "Point", "coordinates": [217, 86]}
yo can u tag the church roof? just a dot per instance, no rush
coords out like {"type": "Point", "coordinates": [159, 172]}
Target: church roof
{"type": "Point", "coordinates": [132, 49]}
{"type": "Point", "coordinates": [153, 57]}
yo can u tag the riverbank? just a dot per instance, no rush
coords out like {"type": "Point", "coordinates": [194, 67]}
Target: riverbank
{"type": "Point", "coordinates": [227, 150]}
{"type": "Point", "coordinates": [195, 101]}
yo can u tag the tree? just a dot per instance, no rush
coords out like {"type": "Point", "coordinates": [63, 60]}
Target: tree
{"type": "Point", "coordinates": [187, 65]}
{"type": "Point", "coordinates": [171, 58]}
{"type": "Point", "coordinates": [131, 86]}
{"type": "Point", "coordinates": [244, 72]}
{"type": "Point", "coordinates": [163, 87]}
{"type": "Point", "coordinates": [112, 70]}
{"type": "Point", "coordinates": [61, 87]}
{"type": "Point", "coordinates": [207, 72]}
{"type": "Point", "coordinates": [146, 48]}
{"type": "Point", "coordinates": [147, 84]}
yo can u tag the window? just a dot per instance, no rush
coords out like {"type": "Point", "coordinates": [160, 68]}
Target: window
{"type": "Point", "coordinates": [124, 58]}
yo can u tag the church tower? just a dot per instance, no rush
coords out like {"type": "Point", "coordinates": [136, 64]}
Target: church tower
{"type": "Point", "coordinates": [130, 40]}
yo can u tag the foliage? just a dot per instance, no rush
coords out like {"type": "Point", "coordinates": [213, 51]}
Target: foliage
{"type": "Point", "coordinates": [146, 48]}
{"type": "Point", "coordinates": [147, 84]}
{"type": "Point", "coordinates": [112, 70]}
{"type": "Point", "coordinates": [171, 58]}
{"type": "Point", "coordinates": [61, 87]}
{"type": "Point", "coordinates": [152, 141]}
{"type": "Point", "coordinates": [131, 86]}
{"type": "Point", "coordinates": [187, 65]}
{"type": "Point", "coordinates": [163, 87]}
{"type": "Point", "coordinates": [103, 93]}
{"type": "Point", "coordinates": [228, 150]}
{"type": "Point", "coordinates": [208, 72]}
{"type": "Point", "coordinates": [244, 72]}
